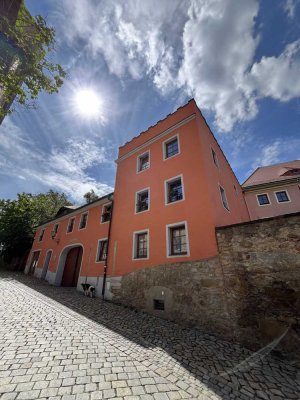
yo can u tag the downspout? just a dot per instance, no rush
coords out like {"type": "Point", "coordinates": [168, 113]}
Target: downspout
{"type": "Point", "coordinates": [108, 242]}
{"type": "Point", "coordinates": [88, 268]}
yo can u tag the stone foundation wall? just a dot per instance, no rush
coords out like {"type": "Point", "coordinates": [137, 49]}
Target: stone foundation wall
{"type": "Point", "coordinates": [192, 292]}
{"type": "Point", "coordinates": [261, 264]}
{"type": "Point", "coordinates": [250, 293]}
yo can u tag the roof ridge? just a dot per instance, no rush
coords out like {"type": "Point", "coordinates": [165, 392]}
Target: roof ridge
{"type": "Point", "coordinates": [281, 163]}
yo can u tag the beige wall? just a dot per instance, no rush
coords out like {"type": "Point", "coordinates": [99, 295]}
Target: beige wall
{"type": "Point", "coordinates": [274, 208]}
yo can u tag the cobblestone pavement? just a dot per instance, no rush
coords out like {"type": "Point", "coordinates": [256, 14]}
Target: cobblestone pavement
{"type": "Point", "coordinates": [57, 344]}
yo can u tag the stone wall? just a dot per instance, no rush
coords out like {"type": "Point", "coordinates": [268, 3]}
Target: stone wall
{"type": "Point", "coordinates": [261, 264]}
{"type": "Point", "coordinates": [250, 293]}
{"type": "Point", "coordinates": [192, 292]}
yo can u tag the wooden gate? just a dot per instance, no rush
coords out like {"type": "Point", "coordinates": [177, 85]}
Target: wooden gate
{"type": "Point", "coordinates": [72, 267]}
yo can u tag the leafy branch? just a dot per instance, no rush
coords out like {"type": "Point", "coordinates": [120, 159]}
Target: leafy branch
{"type": "Point", "coordinates": [25, 70]}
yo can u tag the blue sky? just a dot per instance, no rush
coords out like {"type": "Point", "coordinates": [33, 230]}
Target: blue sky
{"type": "Point", "coordinates": [239, 60]}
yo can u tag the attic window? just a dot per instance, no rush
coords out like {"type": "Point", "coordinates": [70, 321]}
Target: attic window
{"type": "Point", "coordinates": [291, 172]}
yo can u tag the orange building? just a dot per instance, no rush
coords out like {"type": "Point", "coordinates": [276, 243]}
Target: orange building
{"type": "Point", "coordinates": [173, 187]}
{"type": "Point", "coordinates": [72, 245]}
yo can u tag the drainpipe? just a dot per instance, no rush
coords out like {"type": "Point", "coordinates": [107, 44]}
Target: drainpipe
{"type": "Point", "coordinates": [88, 268]}
{"type": "Point", "coordinates": [107, 251]}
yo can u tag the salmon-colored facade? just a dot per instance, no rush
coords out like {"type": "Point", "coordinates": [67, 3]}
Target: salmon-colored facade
{"type": "Point", "coordinates": [51, 246]}
{"type": "Point", "coordinates": [200, 209]}
{"type": "Point", "coordinates": [173, 187]}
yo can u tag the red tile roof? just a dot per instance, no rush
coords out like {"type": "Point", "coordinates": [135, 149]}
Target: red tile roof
{"type": "Point", "coordinates": [273, 173]}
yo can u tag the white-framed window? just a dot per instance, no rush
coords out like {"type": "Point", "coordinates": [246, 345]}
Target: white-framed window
{"type": "Point", "coordinates": [142, 200]}
{"type": "Point", "coordinates": [215, 157]}
{"type": "Point", "coordinates": [263, 199]}
{"type": "Point", "coordinates": [41, 235]}
{"type": "Point", "coordinates": [70, 226]}
{"type": "Point", "coordinates": [177, 240]}
{"type": "Point", "coordinates": [143, 161]}
{"type": "Point", "coordinates": [224, 198]}
{"type": "Point", "coordinates": [235, 190]}
{"type": "Point", "coordinates": [83, 220]}
{"type": "Point", "coordinates": [54, 231]}
{"type": "Point", "coordinates": [34, 260]}
{"type": "Point", "coordinates": [106, 213]}
{"type": "Point", "coordinates": [140, 248]}
{"type": "Point", "coordinates": [171, 147]}
{"type": "Point", "coordinates": [101, 255]}
{"type": "Point", "coordinates": [174, 190]}
{"type": "Point", "coordinates": [282, 196]}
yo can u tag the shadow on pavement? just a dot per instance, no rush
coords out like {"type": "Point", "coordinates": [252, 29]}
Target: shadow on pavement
{"type": "Point", "coordinates": [217, 364]}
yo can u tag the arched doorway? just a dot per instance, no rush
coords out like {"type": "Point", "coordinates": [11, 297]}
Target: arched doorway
{"type": "Point", "coordinates": [63, 262]}
{"type": "Point", "coordinates": [70, 264]}
{"type": "Point", "coordinates": [72, 267]}
{"type": "Point", "coordinates": [46, 264]}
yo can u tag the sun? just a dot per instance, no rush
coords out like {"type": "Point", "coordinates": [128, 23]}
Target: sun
{"type": "Point", "coordinates": [88, 103]}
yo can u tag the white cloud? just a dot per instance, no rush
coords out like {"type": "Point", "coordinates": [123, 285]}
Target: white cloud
{"type": "Point", "coordinates": [219, 46]}
{"type": "Point", "coordinates": [77, 156]}
{"type": "Point", "coordinates": [289, 7]}
{"type": "Point", "coordinates": [205, 48]}
{"type": "Point", "coordinates": [269, 155]}
{"type": "Point", "coordinates": [135, 39]}
{"type": "Point", "coordinates": [238, 141]}
{"type": "Point", "coordinates": [64, 169]}
{"type": "Point", "coordinates": [280, 150]}
{"type": "Point", "coordinates": [278, 77]}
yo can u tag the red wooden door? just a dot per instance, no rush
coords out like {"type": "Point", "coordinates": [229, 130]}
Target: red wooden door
{"type": "Point", "coordinates": [72, 267]}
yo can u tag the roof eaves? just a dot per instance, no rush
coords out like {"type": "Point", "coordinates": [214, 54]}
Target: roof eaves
{"type": "Point", "coordinates": [269, 184]}
{"type": "Point", "coordinates": [76, 209]}
{"type": "Point", "coordinates": [250, 175]}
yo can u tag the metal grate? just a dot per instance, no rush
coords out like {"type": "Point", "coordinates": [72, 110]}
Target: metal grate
{"type": "Point", "coordinates": [159, 304]}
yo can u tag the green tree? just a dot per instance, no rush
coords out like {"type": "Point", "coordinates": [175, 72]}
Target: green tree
{"type": "Point", "coordinates": [90, 196]}
{"type": "Point", "coordinates": [20, 218]}
{"type": "Point", "coordinates": [25, 69]}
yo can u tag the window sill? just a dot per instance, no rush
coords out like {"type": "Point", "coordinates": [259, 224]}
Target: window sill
{"type": "Point", "coordinates": [141, 212]}
{"type": "Point", "coordinates": [142, 170]}
{"type": "Point", "coordinates": [174, 202]}
{"type": "Point", "coordinates": [168, 158]}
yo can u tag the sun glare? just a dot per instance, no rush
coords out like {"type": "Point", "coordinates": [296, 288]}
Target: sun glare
{"type": "Point", "coordinates": [88, 103]}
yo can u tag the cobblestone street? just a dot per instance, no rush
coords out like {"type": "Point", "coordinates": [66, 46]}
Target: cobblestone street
{"type": "Point", "coordinates": [57, 344]}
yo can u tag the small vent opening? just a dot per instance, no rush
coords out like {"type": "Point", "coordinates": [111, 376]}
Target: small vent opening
{"type": "Point", "coordinates": [159, 304]}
